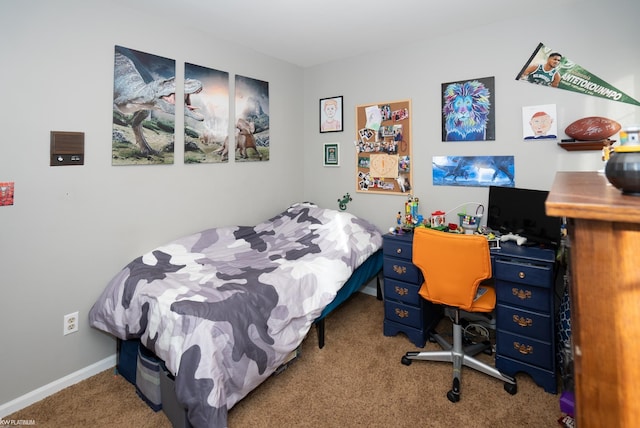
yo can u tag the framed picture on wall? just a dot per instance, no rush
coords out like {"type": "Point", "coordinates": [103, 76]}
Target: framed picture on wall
{"type": "Point", "coordinates": [539, 122]}
{"type": "Point", "coordinates": [468, 110]}
{"type": "Point", "coordinates": [331, 115]}
{"type": "Point", "coordinates": [331, 154]}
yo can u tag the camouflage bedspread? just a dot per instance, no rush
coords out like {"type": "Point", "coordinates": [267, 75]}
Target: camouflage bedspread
{"type": "Point", "coordinates": [224, 307]}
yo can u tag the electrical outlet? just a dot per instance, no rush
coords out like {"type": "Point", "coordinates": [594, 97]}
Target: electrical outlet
{"type": "Point", "coordinates": [70, 323]}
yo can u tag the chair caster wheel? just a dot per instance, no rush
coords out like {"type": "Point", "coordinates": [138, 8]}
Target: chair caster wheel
{"type": "Point", "coordinates": [511, 388]}
{"type": "Point", "coordinates": [406, 361]}
{"type": "Point", "coordinates": [453, 397]}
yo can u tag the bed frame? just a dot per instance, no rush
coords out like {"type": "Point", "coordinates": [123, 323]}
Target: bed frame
{"type": "Point", "coordinates": [372, 267]}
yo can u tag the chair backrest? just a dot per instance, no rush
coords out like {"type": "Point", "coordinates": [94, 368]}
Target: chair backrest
{"type": "Point", "coordinates": [453, 265]}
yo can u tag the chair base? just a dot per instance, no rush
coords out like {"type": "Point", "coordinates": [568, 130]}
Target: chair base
{"type": "Point", "coordinates": [460, 356]}
{"type": "Point", "coordinates": [485, 319]}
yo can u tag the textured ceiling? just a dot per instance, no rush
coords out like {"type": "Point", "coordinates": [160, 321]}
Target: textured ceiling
{"type": "Point", "coordinates": [311, 32]}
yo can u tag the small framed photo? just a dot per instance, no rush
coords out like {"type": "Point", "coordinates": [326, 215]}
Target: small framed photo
{"type": "Point", "coordinates": [331, 115]}
{"type": "Point", "coordinates": [331, 154]}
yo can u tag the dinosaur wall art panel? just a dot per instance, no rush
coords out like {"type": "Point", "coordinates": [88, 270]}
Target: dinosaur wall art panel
{"type": "Point", "coordinates": [473, 171]}
{"type": "Point", "coordinates": [143, 108]}
{"type": "Point", "coordinates": [252, 119]}
{"type": "Point", "coordinates": [206, 119]}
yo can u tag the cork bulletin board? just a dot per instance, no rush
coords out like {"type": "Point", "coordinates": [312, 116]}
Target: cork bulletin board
{"type": "Point", "coordinates": [383, 140]}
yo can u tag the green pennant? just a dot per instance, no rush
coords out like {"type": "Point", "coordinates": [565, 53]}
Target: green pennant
{"type": "Point", "coordinates": [565, 74]}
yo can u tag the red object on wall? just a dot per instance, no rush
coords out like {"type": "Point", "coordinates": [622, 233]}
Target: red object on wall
{"type": "Point", "coordinates": [6, 193]}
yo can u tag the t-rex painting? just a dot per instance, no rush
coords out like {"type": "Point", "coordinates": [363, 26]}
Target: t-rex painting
{"type": "Point", "coordinates": [135, 97]}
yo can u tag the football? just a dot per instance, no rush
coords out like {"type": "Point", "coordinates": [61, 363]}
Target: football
{"type": "Point", "coordinates": [593, 128]}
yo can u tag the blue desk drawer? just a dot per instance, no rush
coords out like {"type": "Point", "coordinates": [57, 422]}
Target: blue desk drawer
{"type": "Point", "coordinates": [403, 314]}
{"type": "Point", "coordinates": [402, 291]}
{"type": "Point", "coordinates": [526, 349]}
{"type": "Point", "coordinates": [523, 322]}
{"type": "Point", "coordinates": [532, 274]}
{"type": "Point", "coordinates": [402, 249]}
{"type": "Point", "coordinates": [523, 295]}
{"type": "Point", "coordinates": [402, 270]}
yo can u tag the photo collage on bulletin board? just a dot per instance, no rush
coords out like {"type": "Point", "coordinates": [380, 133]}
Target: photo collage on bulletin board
{"type": "Point", "coordinates": [383, 136]}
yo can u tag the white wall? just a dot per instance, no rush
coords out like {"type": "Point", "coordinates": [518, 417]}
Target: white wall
{"type": "Point", "coordinates": [71, 228]}
{"type": "Point", "coordinates": [601, 37]}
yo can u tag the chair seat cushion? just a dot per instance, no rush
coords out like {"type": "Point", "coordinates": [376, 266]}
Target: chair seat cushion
{"type": "Point", "coordinates": [485, 301]}
{"type": "Point", "coordinates": [454, 266]}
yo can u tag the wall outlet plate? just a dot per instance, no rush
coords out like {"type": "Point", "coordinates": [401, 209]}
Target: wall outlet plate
{"type": "Point", "coordinates": [70, 323]}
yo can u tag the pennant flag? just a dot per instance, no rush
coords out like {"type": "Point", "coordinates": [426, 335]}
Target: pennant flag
{"type": "Point", "coordinates": [549, 68]}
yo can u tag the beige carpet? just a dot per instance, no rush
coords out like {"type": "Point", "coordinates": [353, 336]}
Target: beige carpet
{"type": "Point", "coordinates": [356, 380]}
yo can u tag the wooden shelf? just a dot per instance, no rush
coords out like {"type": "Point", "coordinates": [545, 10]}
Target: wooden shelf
{"type": "Point", "coordinates": [585, 145]}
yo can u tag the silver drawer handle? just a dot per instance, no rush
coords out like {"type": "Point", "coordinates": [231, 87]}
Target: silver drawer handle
{"type": "Point", "coordinates": [521, 275]}
{"type": "Point", "coordinates": [399, 251]}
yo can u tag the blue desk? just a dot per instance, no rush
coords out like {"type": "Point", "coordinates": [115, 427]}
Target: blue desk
{"type": "Point", "coordinates": [405, 310]}
{"type": "Point", "coordinates": [526, 308]}
{"type": "Point", "coordinates": [526, 305]}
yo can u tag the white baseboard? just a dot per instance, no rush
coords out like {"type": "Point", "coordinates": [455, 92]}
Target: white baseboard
{"type": "Point", "coordinates": [55, 386]}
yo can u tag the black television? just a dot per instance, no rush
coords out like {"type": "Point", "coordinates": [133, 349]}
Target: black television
{"type": "Point", "coordinates": [522, 212]}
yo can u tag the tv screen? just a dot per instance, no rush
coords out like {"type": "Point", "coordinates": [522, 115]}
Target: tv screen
{"type": "Point", "coordinates": [522, 212]}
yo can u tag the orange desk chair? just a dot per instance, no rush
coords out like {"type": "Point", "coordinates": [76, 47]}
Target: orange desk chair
{"type": "Point", "coordinates": [453, 267]}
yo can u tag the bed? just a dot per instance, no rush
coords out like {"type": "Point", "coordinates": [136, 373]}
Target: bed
{"type": "Point", "coordinates": [223, 308]}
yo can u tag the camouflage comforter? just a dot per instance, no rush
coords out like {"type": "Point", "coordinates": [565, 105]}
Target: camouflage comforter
{"type": "Point", "coordinates": [224, 307]}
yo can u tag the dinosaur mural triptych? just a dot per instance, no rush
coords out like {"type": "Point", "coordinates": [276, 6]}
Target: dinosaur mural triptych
{"type": "Point", "coordinates": [144, 101]}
